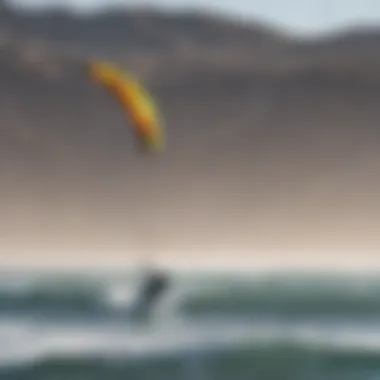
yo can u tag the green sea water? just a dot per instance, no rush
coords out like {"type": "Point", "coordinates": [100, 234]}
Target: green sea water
{"type": "Point", "coordinates": [211, 326]}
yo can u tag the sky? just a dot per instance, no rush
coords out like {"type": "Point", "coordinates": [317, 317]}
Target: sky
{"type": "Point", "coordinates": [307, 17]}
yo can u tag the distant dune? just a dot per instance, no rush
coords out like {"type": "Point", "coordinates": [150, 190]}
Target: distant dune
{"type": "Point", "coordinates": [273, 144]}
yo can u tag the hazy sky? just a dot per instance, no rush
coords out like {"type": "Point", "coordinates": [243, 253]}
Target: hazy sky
{"type": "Point", "coordinates": [301, 16]}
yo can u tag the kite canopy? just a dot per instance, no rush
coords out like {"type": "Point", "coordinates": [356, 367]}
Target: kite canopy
{"type": "Point", "coordinates": [135, 100]}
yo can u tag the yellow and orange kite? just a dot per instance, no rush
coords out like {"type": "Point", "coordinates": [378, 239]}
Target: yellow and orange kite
{"type": "Point", "coordinates": [137, 102]}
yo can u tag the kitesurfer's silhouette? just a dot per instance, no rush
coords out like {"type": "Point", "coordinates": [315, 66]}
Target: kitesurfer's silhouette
{"type": "Point", "coordinates": [154, 286]}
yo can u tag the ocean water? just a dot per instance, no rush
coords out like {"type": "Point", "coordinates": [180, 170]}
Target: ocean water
{"type": "Point", "coordinates": [211, 326]}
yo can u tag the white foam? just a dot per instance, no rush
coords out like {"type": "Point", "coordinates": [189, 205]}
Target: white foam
{"type": "Point", "coordinates": [25, 342]}
{"type": "Point", "coordinates": [120, 295]}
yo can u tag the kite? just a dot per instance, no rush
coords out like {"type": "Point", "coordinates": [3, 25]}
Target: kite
{"type": "Point", "coordinates": [136, 101]}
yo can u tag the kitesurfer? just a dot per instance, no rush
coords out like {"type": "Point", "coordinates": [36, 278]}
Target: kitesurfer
{"type": "Point", "coordinates": [154, 286]}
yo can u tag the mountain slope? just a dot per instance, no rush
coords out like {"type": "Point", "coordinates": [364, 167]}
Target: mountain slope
{"type": "Point", "coordinates": [275, 156]}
